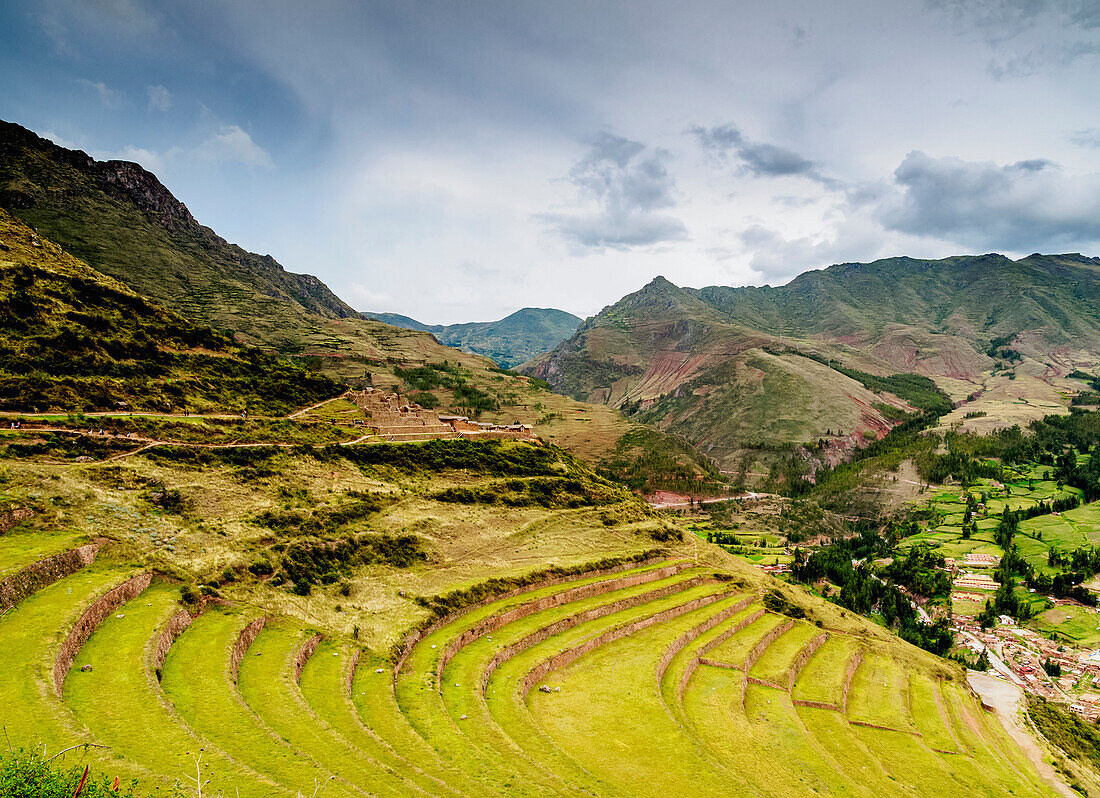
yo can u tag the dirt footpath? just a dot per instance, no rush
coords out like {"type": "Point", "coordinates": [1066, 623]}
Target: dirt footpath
{"type": "Point", "coordinates": [1005, 698]}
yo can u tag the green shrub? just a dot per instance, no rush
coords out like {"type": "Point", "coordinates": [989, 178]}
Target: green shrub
{"type": "Point", "coordinates": [27, 774]}
{"type": "Point", "coordinates": [311, 562]}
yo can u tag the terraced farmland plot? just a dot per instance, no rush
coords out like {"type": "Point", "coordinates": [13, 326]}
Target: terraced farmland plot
{"type": "Point", "coordinates": [650, 755]}
{"type": "Point", "coordinates": [324, 687]}
{"type": "Point", "coordinates": [20, 549]}
{"type": "Point", "coordinates": [268, 686]}
{"type": "Point", "coordinates": [465, 713]}
{"type": "Point", "coordinates": [928, 712]}
{"type": "Point", "coordinates": [696, 644]}
{"type": "Point", "coordinates": [121, 687]}
{"type": "Point", "coordinates": [198, 682]}
{"type": "Point", "coordinates": [571, 625]}
{"type": "Point", "coordinates": [879, 694]}
{"type": "Point", "coordinates": [822, 679]}
{"type": "Point", "coordinates": [775, 663]}
{"type": "Point", "coordinates": [734, 650]}
{"type": "Point", "coordinates": [30, 635]}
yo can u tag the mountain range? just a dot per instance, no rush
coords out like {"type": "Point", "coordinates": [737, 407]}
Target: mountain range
{"type": "Point", "coordinates": [117, 221]}
{"type": "Point", "coordinates": [742, 374]}
{"type": "Point", "coordinates": [741, 370]}
{"type": "Point", "coordinates": [510, 341]}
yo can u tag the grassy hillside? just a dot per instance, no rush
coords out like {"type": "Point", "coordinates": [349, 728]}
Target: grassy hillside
{"type": "Point", "coordinates": [509, 342]}
{"type": "Point", "coordinates": [725, 367]}
{"type": "Point", "coordinates": [556, 650]}
{"type": "Point", "coordinates": [121, 221]}
{"type": "Point", "coordinates": [74, 340]}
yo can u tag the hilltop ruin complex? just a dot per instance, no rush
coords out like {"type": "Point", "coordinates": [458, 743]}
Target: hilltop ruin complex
{"type": "Point", "coordinates": [395, 418]}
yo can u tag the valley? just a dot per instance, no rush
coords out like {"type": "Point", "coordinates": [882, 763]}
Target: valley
{"type": "Point", "coordinates": [711, 535]}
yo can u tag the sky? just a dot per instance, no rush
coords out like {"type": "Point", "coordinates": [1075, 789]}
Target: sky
{"type": "Point", "coordinates": [455, 161]}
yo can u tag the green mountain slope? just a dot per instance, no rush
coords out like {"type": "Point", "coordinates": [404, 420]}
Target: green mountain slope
{"type": "Point", "coordinates": [72, 339]}
{"type": "Point", "coordinates": [120, 220]}
{"type": "Point", "coordinates": [510, 341]}
{"type": "Point", "coordinates": [950, 310]}
{"type": "Point", "coordinates": [669, 358]}
{"type": "Point", "coordinates": [740, 370]}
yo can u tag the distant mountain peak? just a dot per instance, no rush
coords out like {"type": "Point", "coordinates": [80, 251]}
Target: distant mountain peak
{"type": "Point", "coordinates": [515, 339]}
{"type": "Point", "coordinates": [660, 283]}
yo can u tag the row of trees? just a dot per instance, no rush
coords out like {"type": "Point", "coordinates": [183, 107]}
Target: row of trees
{"type": "Point", "coordinates": [863, 591]}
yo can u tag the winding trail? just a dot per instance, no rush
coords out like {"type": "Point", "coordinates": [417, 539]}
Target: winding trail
{"type": "Point", "coordinates": [1005, 699]}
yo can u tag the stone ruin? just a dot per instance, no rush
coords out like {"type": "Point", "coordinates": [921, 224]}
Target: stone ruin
{"type": "Point", "coordinates": [395, 418]}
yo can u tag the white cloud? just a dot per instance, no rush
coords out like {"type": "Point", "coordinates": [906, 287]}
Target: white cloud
{"type": "Point", "coordinates": [231, 144]}
{"type": "Point", "coordinates": [627, 186]}
{"type": "Point", "coordinates": [59, 140]}
{"type": "Point", "coordinates": [108, 97]}
{"type": "Point", "coordinates": [160, 99]}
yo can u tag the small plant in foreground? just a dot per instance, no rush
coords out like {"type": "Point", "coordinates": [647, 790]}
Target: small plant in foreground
{"type": "Point", "coordinates": [29, 774]}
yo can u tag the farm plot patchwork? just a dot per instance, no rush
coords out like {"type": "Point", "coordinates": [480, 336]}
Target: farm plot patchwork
{"type": "Point", "coordinates": [597, 683]}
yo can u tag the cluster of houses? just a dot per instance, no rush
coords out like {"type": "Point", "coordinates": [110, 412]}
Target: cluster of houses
{"type": "Point", "coordinates": [1022, 654]}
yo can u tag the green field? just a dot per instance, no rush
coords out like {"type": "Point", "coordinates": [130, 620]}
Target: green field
{"type": "Point", "coordinates": [1026, 488]}
{"type": "Point", "coordinates": [557, 689]}
{"type": "Point", "coordinates": [1080, 625]}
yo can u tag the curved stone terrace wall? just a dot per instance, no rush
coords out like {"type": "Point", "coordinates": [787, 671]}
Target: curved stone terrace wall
{"type": "Point", "coordinates": [34, 577]}
{"type": "Point", "coordinates": [90, 621]}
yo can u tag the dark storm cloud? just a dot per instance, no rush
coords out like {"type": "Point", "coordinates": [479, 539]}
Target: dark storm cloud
{"type": "Point", "coordinates": [1024, 206]}
{"type": "Point", "coordinates": [726, 143]}
{"type": "Point", "coordinates": [630, 184]}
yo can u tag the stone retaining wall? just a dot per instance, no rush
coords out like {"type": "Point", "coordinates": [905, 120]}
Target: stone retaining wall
{"type": "Point", "coordinates": [681, 642]}
{"type": "Point", "coordinates": [303, 655]}
{"type": "Point", "coordinates": [244, 642]}
{"type": "Point", "coordinates": [756, 651]}
{"type": "Point", "coordinates": [853, 666]}
{"type": "Point", "coordinates": [546, 632]}
{"type": "Point", "coordinates": [700, 658]}
{"type": "Point", "coordinates": [884, 728]}
{"type": "Point", "coordinates": [353, 666]}
{"type": "Point", "coordinates": [801, 702]}
{"type": "Point", "coordinates": [90, 621]}
{"type": "Point", "coordinates": [500, 620]}
{"type": "Point", "coordinates": [804, 657]}
{"type": "Point", "coordinates": [571, 655]}
{"type": "Point", "coordinates": [16, 515]}
{"type": "Point", "coordinates": [416, 636]}
{"type": "Point", "coordinates": [714, 664]}
{"type": "Point", "coordinates": [45, 572]}
{"type": "Point", "coordinates": [176, 626]}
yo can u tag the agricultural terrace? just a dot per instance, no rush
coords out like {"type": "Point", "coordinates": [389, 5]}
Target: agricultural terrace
{"type": "Point", "coordinates": [640, 676]}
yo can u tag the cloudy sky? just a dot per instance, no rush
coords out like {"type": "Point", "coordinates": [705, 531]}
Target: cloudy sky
{"type": "Point", "coordinates": [455, 161]}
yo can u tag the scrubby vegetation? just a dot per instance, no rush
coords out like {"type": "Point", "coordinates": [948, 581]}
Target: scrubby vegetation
{"type": "Point", "coordinates": [472, 401]}
{"type": "Point", "coordinates": [28, 774]}
{"type": "Point", "coordinates": [80, 342]}
{"type": "Point", "coordinates": [307, 563]}
{"type": "Point", "coordinates": [1080, 740]}
{"type": "Point", "coordinates": [542, 492]}
{"type": "Point", "coordinates": [647, 460]}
